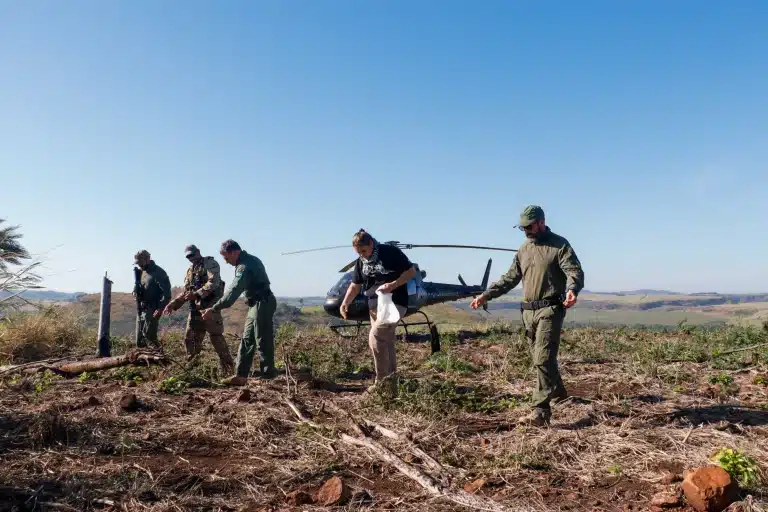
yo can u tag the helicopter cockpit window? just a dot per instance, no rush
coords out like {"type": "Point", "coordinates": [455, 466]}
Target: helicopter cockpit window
{"type": "Point", "coordinates": [340, 288]}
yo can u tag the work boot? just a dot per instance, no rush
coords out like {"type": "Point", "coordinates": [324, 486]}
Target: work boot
{"type": "Point", "coordinates": [539, 417]}
{"type": "Point", "coordinates": [268, 373]}
{"type": "Point", "coordinates": [235, 381]}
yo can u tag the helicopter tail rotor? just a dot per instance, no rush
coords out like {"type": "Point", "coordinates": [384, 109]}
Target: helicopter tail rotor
{"type": "Point", "coordinates": [487, 274]}
{"type": "Point", "coordinates": [485, 282]}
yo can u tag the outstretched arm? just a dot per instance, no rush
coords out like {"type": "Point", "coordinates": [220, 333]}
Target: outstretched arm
{"type": "Point", "coordinates": [233, 292]}
{"type": "Point", "coordinates": [509, 280]}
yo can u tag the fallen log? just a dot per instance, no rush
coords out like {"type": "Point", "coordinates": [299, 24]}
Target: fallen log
{"type": "Point", "coordinates": [74, 368]}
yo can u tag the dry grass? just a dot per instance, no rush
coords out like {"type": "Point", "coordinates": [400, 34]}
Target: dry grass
{"type": "Point", "coordinates": [53, 332]}
{"type": "Point", "coordinates": [642, 403]}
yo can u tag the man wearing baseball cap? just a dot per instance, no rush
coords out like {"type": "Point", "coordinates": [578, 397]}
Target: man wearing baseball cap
{"type": "Point", "coordinates": [153, 289]}
{"type": "Point", "coordinates": [552, 278]}
{"type": "Point", "coordinates": [202, 288]}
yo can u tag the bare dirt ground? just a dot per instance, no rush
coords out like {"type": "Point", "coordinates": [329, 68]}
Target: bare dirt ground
{"type": "Point", "coordinates": [644, 406]}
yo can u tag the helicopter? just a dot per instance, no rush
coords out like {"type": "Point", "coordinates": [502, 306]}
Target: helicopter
{"type": "Point", "coordinates": [421, 293]}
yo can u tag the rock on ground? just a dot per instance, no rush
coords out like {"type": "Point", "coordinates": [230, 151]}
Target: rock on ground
{"type": "Point", "coordinates": [709, 488]}
{"type": "Point", "coordinates": [333, 492]}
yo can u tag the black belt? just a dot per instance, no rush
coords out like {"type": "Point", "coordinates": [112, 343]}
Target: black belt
{"type": "Point", "coordinates": [260, 296]}
{"type": "Point", "coordinates": [538, 304]}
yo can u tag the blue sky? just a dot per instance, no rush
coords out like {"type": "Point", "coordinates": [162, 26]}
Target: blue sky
{"type": "Point", "coordinates": [640, 127]}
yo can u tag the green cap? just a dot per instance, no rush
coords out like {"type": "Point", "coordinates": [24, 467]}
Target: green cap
{"type": "Point", "coordinates": [530, 215]}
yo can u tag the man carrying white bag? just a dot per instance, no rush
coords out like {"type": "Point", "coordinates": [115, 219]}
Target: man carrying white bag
{"type": "Point", "coordinates": [383, 270]}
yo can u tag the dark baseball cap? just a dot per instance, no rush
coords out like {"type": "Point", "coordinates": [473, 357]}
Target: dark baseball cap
{"type": "Point", "coordinates": [530, 215]}
{"type": "Point", "coordinates": [191, 250]}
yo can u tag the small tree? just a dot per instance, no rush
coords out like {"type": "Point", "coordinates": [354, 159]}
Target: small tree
{"type": "Point", "coordinates": [14, 254]}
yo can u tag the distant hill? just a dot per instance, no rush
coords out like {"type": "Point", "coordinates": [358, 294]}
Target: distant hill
{"type": "Point", "coordinates": [46, 295]}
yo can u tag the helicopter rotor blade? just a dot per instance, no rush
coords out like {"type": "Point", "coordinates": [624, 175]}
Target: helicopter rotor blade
{"type": "Point", "coordinates": [411, 246]}
{"type": "Point", "coordinates": [348, 266]}
{"type": "Point", "coordinates": [317, 249]}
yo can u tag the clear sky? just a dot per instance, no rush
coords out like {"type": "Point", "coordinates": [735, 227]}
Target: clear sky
{"type": "Point", "coordinates": [640, 127]}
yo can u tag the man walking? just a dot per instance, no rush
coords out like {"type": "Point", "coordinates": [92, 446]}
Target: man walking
{"type": "Point", "coordinates": [202, 288]}
{"type": "Point", "coordinates": [153, 292]}
{"type": "Point", "coordinates": [552, 279]}
{"type": "Point", "coordinates": [384, 268]}
{"type": "Point", "coordinates": [251, 278]}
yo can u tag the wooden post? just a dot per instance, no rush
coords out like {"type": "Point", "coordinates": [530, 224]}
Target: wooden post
{"type": "Point", "coordinates": [104, 316]}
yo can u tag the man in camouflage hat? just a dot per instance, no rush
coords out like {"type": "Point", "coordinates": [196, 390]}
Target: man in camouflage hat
{"type": "Point", "coordinates": [202, 288]}
{"type": "Point", "coordinates": [251, 278]}
{"type": "Point", "coordinates": [552, 279]}
{"type": "Point", "coordinates": [153, 291]}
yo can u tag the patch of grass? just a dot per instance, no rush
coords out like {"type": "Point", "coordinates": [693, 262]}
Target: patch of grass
{"type": "Point", "coordinates": [173, 385]}
{"type": "Point", "coordinates": [723, 379]}
{"type": "Point", "coordinates": [436, 398]}
{"type": "Point", "coordinates": [332, 360]}
{"type": "Point", "coordinates": [448, 362]}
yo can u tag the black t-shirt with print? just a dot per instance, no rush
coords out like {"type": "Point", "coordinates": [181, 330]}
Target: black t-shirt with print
{"type": "Point", "coordinates": [391, 265]}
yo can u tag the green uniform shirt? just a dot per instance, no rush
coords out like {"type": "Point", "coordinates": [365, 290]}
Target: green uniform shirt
{"type": "Point", "coordinates": [156, 286]}
{"type": "Point", "coordinates": [547, 266]}
{"type": "Point", "coordinates": [250, 277]}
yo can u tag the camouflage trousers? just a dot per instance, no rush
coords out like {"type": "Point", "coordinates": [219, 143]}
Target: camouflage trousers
{"type": "Point", "coordinates": [259, 333]}
{"type": "Point", "coordinates": [542, 328]}
{"type": "Point", "coordinates": [146, 329]}
{"type": "Point", "coordinates": [195, 333]}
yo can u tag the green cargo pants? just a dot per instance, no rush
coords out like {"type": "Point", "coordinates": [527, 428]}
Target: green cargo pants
{"type": "Point", "coordinates": [542, 327]}
{"type": "Point", "coordinates": [258, 333]}
{"type": "Point", "coordinates": [146, 329]}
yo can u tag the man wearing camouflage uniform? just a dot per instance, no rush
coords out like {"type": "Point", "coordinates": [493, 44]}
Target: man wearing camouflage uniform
{"type": "Point", "coordinates": [251, 278]}
{"type": "Point", "coordinates": [552, 279]}
{"type": "Point", "coordinates": [202, 287]}
{"type": "Point", "coordinates": [154, 287]}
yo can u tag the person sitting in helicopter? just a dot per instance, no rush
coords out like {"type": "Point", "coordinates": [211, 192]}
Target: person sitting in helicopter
{"type": "Point", "coordinates": [384, 268]}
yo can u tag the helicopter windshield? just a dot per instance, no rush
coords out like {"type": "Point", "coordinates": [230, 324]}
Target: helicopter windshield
{"type": "Point", "coordinates": [340, 288]}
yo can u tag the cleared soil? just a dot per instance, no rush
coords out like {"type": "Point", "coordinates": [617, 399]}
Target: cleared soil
{"type": "Point", "coordinates": [637, 411]}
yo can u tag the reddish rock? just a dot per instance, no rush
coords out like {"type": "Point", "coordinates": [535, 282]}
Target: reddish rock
{"type": "Point", "coordinates": [298, 498]}
{"type": "Point", "coordinates": [667, 499]}
{"type": "Point", "coordinates": [333, 492]}
{"type": "Point", "coordinates": [476, 485]}
{"type": "Point", "coordinates": [709, 488]}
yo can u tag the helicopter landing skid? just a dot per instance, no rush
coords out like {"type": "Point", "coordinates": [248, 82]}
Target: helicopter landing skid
{"type": "Point", "coordinates": [352, 330]}
{"type": "Point", "coordinates": [434, 336]}
{"type": "Point", "coordinates": [343, 329]}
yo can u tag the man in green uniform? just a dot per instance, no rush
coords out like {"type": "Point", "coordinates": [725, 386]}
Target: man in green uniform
{"type": "Point", "coordinates": [251, 278]}
{"type": "Point", "coordinates": [552, 279]}
{"type": "Point", "coordinates": [154, 291]}
{"type": "Point", "coordinates": [202, 287]}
